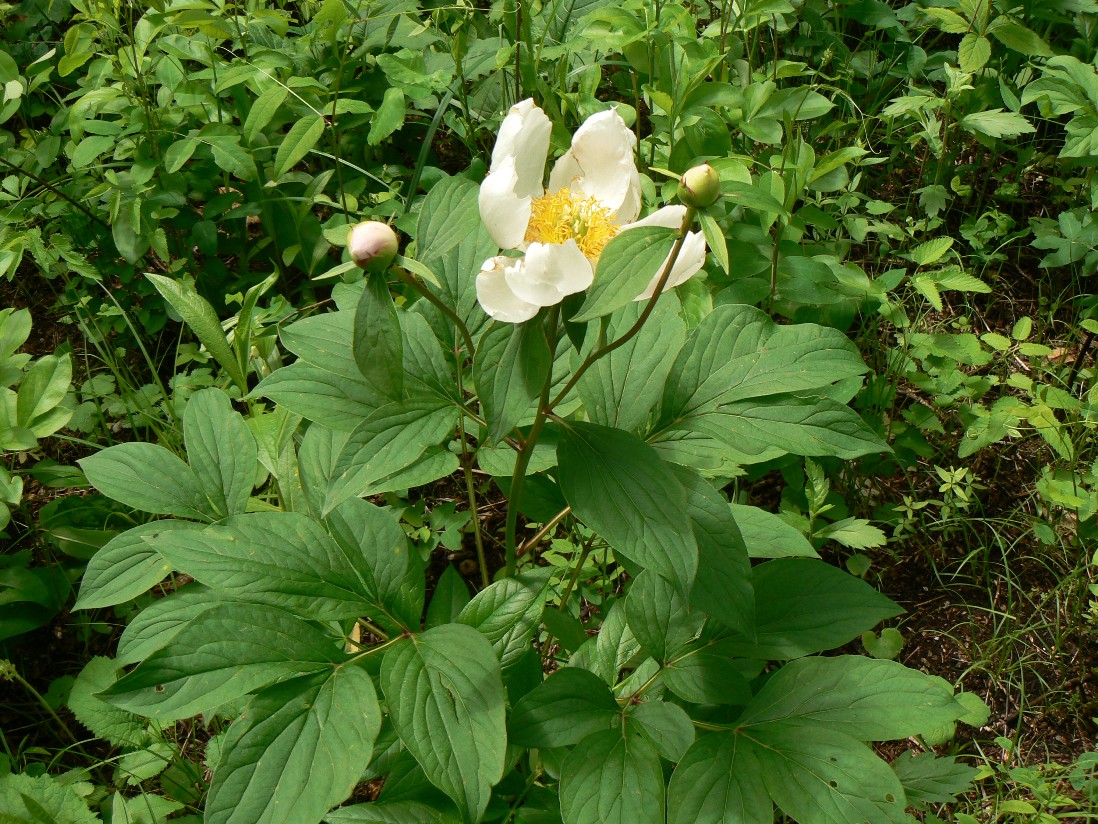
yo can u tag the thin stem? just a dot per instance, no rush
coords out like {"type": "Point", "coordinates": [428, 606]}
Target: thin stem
{"type": "Point", "coordinates": [414, 282]}
{"type": "Point", "coordinates": [10, 673]}
{"type": "Point", "coordinates": [522, 461]}
{"type": "Point", "coordinates": [467, 468]}
{"type": "Point", "coordinates": [687, 222]}
{"type": "Point", "coordinates": [63, 195]}
{"type": "Point", "coordinates": [545, 530]}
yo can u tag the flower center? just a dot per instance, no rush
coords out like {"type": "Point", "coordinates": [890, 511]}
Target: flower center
{"type": "Point", "coordinates": [555, 218]}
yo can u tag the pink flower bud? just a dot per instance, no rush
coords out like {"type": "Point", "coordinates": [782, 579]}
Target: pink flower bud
{"type": "Point", "coordinates": [372, 245]}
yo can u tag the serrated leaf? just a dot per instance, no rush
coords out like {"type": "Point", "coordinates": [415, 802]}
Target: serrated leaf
{"type": "Point", "coordinates": [930, 252]}
{"type": "Point", "coordinates": [120, 728]}
{"type": "Point", "coordinates": [930, 780]}
{"type": "Point", "coordinates": [41, 799]}
{"type": "Point", "coordinates": [446, 701]}
{"type": "Point", "coordinates": [996, 123]}
{"type": "Point", "coordinates": [973, 52]}
{"type": "Point", "coordinates": [299, 749]}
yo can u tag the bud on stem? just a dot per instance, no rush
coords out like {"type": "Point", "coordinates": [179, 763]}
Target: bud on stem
{"type": "Point", "coordinates": [372, 245]}
{"type": "Point", "coordinates": [700, 186]}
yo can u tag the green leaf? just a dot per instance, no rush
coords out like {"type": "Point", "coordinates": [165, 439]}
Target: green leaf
{"type": "Point", "coordinates": [511, 365]}
{"type": "Point", "coordinates": [41, 799]}
{"type": "Point", "coordinates": [200, 316]}
{"type": "Point", "coordinates": [565, 708]}
{"type": "Point", "coordinates": [155, 625]}
{"type": "Point", "coordinates": [853, 533]}
{"type": "Point", "coordinates": [122, 729]}
{"type": "Point", "coordinates": [90, 148]}
{"type": "Point", "coordinates": [887, 645]}
{"type": "Point", "coordinates": [708, 675]}
{"type": "Point", "coordinates": [622, 387]}
{"type": "Point", "coordinates": [819, 776]}
{"type": "Point", "coordinates": [299, 749]}
{"type": "Point", "coordinates": [230, 156]}
{"type": "Point", "coordinates": [297, 143]}
{"type": "Point", "coordinates": [930, 780]}
{"type": "Point", "coordinates": [451, 595]}
{"type": "Point", "coordinates": [281, 559]}
{"type": "Point", "coordinates": [43, 388]}
{"type": "Point", "coordinates": [738, 352]}
{"type": "Point", "coordinates": [666, 726]}
{"type": "Point", "coordinates": [378, 346]}
{"type": "Point", "coordinates": [804, 606]}
{"type": "Point", "coordinates": [722, 586]}
{"type": "Point", "coordinates": [973, 52]}
{"type": "Point", "coordinates": [948, 21]}
{"type": "Point", "coordinates": [221, 451]}
{"type": "Point", "coordinates": [391, 812]}
{"type": "Point", "coordinates": [996, 123]}
{"type": "Point", "coordinates": [262, 112]}
{"type": "Point", "coordinates": [718, 781]}
{"type": "Point", "coordinates": [930, 252]}
{"type": "Point", "coordinates": [625, 268]}
{"type": "Point", "coordinates": [612, 778]}
{"type": "Point", "coordinates": [389, 116]}
{"type": "Point", "coordinates": [223, 653]}
{"type": "Point", "coordinates": [863, 698]}
{"type": "Point", "coordinates": [659, 617]}
{"type": "Point", "coordinates": [618, 486]}
{"type": "Point", "coordinates": [767, 536]}
{"type": "Point", "coordinates": [1021, 39]}
{"type": "Point", "coordinates": [126, 566]}
{"type": "Point", "coordinates": [149, 478]}
{"type": "Point", "coordinates": [446, 700]}
{"type": "Point", "coordinates": [321, 395]}
{"type": "Point", "coordinates": [507, 613]}
{"type": "Point", "coordinates": [389, 441]}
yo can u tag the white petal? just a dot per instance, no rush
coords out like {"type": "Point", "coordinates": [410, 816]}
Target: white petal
{"type": "Point", "coordinates": [550, 272]}
{"type": "Point", "coordinates": [669, 217]}
{"type": "Point", "coordinates": [601, 165]}
{"type": "Point", "coordinates": [505, 213]}
{"type": "Point", "coordinates": [496, 297]}
{"type": "Point", "coordinates": [524, 138]}
{"type": "Point", "coordinates": [689, 263]}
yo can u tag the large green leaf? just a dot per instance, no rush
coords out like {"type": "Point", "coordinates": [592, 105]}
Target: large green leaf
{"type": "Point", "coordinates": [718, 781]}
{"type": "Point", "coordinates": [149, 478]}
{"type": "Point", "coordinates": [297, 143]}
{"type": "Point", "coordinates": [708, 674]}
{"type": "Point", "coordinates": [566, 707]}
{"type": "Point", "coordinates": [299, 749]}
{"type": "Point", "coordinates": [819, 776]}
{"type": "Point", "coordinates": [221, 450]}
{"type": "Point", "coordinates": [223, 653]}
{"type": "Point", "coordinates": [765, 535]}
{"type": "Point", "coordinates": [723, 584]}
{"type": "Point", "coordinates": [625, 268]}
{"type": "Point", "coordinates": [386, 443]}
{"type": "Point", "coordinates": [612, 777]}
{"type": "Point", "coordinates": [126, 566]}
{"type": "Point", "coordinates": [622, 387]}
{"type": "Point", "coordinates": [511, 365]}
{"type": "Point", "coordinates": [867, 699]}
{"type": "Point", "coordinates": [377, 343]}
{"type": "Point", "coordinates": [619, 486]}
{"type": "Point", "coordinates": [507, 613]}
{"type": "Point", "coordinates": [155, 625]}
{"type": "Point", "coordinates": [738, 352]}
{"type": "Point", "coordinates": [666, 726]}
{"type": "Point", "coordinates": [446, 700]}
{"type": "Point", "coordinates": [804, 606]}
{"type": "Point", "coordinates": [282, 559]}
{"type": "Point", "coordinates": [329, 398]}
{"type": "Point", "coordinates": [659, 616]}
{"type": "Point", "coordinates": [41, 799]}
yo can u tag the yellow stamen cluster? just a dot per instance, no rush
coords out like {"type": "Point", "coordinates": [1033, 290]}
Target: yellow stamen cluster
{"type": "Point", "coordinates": [555, 218]}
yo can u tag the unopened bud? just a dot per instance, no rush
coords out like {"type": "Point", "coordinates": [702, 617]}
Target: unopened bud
{"type": "Point", "coordinates": [700, 186]}
{"type": "Point", "coordinates": [372, 245]}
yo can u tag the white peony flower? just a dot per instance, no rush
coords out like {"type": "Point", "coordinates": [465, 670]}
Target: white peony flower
{"type": "Point", "coordinates": [594, 193]}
